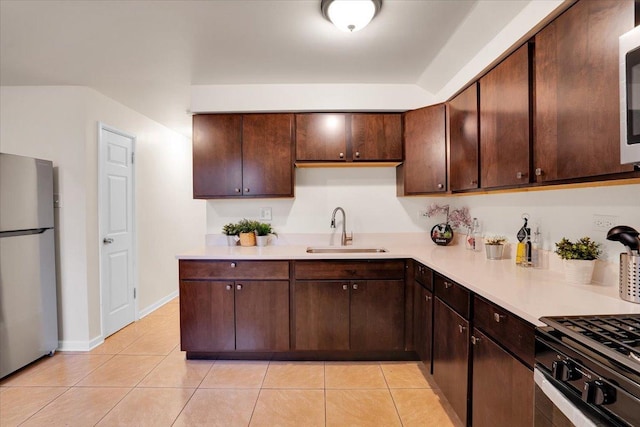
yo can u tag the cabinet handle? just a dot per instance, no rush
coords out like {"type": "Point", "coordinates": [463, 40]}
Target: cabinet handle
{"type": "Point", "coordinates": [345, 287]}
{"type": "Point", "coordinates": [427, 298]}
{"type": "Point", "coordinates": [447, 285]}
{"type": "Point", "coordinates": [440, 186]}
{"type": "Point", "coordinates": [498, 317]}
{"type": "Point", "coordinates": [538, 171]}
{"type": "Point", "coordinates": [474, 182]}
{"type": "Point", "coordinates": [341, 155]}
{"type": "Point", "coordinates": [474, 340]}
{"type": "Point", "coordinates": [520, 175]}
{"type": "Point", "coordinates": [357, 154]}
{"type": "Point", "coordinates": [239, 287]}
{"type": "Point", "coordinates": [233, 265]}
{"type": "Point", "coordinates": [355, 286]}
{"type": "Point", "coordinates": [246, 190]}
{"type": "Point", "coordinates": [462, 328]}
{"type": "Point", "coordinates": [237, 190]}
{"type": "Point", "coordinates": [228, 287]}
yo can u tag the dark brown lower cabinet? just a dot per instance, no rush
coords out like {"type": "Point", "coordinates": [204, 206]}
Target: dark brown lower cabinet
{"type": "Point", "coordinates": [227, 316]}
{"type": "Point", "coordinates": [502, 386]}
{"type": "Point", "coordinates": [349, 315]}
{"type": "Point", "coordinates": [451, 357]}
{"type": "Point", "coordinates": [422, 322]}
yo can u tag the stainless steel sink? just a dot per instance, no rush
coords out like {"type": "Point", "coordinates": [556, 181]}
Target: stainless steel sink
{"type": "Point", "coordinates": [344, 250]}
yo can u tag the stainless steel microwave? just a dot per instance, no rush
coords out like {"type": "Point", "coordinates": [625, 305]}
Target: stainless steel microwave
{"type": "Point", "coordinates": [630, 97]}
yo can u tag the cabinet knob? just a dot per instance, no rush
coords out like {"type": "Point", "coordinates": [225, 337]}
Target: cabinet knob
{"type": "Point", "coordinates": [357, 154]}
{"type": "Point", "coordinates": [427, 298]}
{"type": "Point", "coordinates": [341, 155]}
{"type": "Point", "coordinates": [461, 328]}
{"type": "Point", "coordinates": [447, 285]}
{"type": "Point", "coordinates": [520, 175]}
{"type": "Point", "coordinates": [538, 171]}
{"type": "Point", "coordinates": [474, 340]}
{"type": "Point", "coordinates": [237, 190]}
{"type": "Point", "coordinates": [355, 286]}
{"type": "Point", "coordinates": [228, 287]}
{"type": "Point", "coordinates": [498, 317]}
{"type": "Point", "coordinates": [474, 182]}
{"type": "Point", "coordinates": [239, 287]}
{"type": "Point", "coordinates": [232, 265]}
{"type": "Point", "coordinates": [440, 186]}
{"type": "Point", "coordinates": [345, 287]}
{"type": "Point", "coordinates": [246, 190]}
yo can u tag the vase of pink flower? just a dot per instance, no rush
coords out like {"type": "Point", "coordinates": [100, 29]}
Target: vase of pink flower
{"type": "Point", "coordinates": [442, 234]}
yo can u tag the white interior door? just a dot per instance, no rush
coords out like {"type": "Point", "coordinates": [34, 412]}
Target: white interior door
{"type": "Point", "coordinates": [117, 280]}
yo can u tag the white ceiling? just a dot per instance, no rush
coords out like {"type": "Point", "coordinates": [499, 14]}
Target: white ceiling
{"type": "Point", "coordinates": [146, 54]}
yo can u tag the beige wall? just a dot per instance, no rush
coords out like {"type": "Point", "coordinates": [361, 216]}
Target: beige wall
{"type": "Point", "coordinates": [61, 124]}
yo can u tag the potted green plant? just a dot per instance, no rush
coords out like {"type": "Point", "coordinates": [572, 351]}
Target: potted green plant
{"type": "Point", "coordinates": [494, 246]}
{"type": "Point", "coordinates": [231, 231]}
{"type": "Point", "coordinates": [263, 231]}
{"type": "Point", "coordinates": [578, 258]}
{"type": "Point", "coordinates": [247, 232]}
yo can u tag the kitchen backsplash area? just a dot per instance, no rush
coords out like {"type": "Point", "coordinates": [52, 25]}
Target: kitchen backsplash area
{"type": "Point", "coordinates": [368, 196]}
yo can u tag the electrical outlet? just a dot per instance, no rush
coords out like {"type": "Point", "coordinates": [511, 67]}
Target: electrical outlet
{"type": "Point", "coordinates": [265, 214]}
{"type": "Point", "coordinates": [604, 222]}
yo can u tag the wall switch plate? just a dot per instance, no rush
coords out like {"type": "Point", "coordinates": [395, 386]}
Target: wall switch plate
{"type": "Point", "coordinates": [604, 222]}
{"type": "Point", "coordinates": [265, 214]}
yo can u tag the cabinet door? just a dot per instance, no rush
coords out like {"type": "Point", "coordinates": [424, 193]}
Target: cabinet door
{"type": "Point", "coordinates": [377, 315]}
{"type": "Point", "coordinates": [424, 168]}
{"type": "Point", "coordinates": [206, 316]}
{"type": "Point", "coordinates": [577, 104]}
{"type": "Point", "coordinates": [451, 357]}
{"type": "Point", "coordinates": [262, 315]}
{"type": "Point", "coordinates": [217, 155]}
{"type": "Point", "coordinates": [504, 122]}
{"type": "Point", "coordinates": [376, 137]}
{"type": "Point", "coordinates": [423, 322]}
{"type": "Point", "coordinates": [502, 386]}
{"type": "Point", "coordinates": [463, 140]}
{"type": "Point", "coordinates": [267, 155]}
{"type": "Point", "coordinates": [321, 137]}
{"type": "Point", "coordinates": [321, 315]}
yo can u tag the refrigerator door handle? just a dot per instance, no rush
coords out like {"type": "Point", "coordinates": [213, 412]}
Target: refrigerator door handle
{"type": "Point", "coordinates": [22, 232]}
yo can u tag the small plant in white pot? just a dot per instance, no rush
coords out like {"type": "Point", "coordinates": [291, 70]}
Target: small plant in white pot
{"type": "Point", "coordinates": [494, 246]}
{"type": "Point", "coordinates": [578, 258]}
{"type": "Point", "coordinates": [231, 231]}
{"type": "Point", "coordinates": [263, 231]}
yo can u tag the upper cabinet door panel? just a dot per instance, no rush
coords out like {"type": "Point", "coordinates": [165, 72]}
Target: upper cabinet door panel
{"type": "Point", "coordinates": [376, 137]}
{"type": "Point", "coordinates": [217, 155]}
{"type": "Point", "coordinates": [321, 137]}
{"type": "Point", "coordinates": [577, 117]}
{"type": "Point", "coordinates": [504, 122]}
{"type": "Point", "coordinates": [424, 168]}
{"type": "Point", "coordinates": [463, 139]}
{"type": "Point", "coordinates": [267, 154]}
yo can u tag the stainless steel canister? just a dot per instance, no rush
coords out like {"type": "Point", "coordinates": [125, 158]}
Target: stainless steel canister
{"type": "Point", "coordinates": [630, 277]}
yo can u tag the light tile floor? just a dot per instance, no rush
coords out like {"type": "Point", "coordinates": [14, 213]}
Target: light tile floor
{"type": "Point", "coordinates": [139, 377]}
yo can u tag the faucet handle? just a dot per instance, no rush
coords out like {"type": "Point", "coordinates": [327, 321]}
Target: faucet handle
{"type": "Point", "coordinates": [348, 238]}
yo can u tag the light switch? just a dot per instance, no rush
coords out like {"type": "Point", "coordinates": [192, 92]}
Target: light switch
{"type": "Point", "coordinates": [265, 214]}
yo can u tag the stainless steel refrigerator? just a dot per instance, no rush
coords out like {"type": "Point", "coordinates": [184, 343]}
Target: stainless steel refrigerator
{"type": "Point", "coordinates": [28, 303]}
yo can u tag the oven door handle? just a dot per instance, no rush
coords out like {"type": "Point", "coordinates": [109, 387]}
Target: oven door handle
{"type": "Point", "coordinates": [567, 407]}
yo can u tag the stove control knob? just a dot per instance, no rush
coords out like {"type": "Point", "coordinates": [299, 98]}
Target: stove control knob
{"type": "Point", "coordinates": [563, 370]}
{"type": "Point", "coordinates": [598, 393]}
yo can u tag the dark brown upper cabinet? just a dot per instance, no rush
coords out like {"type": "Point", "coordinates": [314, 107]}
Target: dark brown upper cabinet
{"type": "Point", "coordinates": [577, 116]}
{"type": "Point", "coordinates": [242, 155]}
{"type": "Point", "coordinates": [358, 137]}
{"type": "Point", "coordinates": [463, 140]}
{"type": "Point", "coordinates": [505, 143]}
{"type": "Point", "coordinates": [376, 137]}
{"type": "Point", "coordinates": [424, 169]}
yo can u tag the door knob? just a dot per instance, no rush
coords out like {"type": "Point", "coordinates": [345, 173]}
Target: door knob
{"type": "Point", "coordinates": [107, 240]}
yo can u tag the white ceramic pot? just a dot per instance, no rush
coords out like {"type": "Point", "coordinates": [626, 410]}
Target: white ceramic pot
{"type": "Point", "coordinates": [262, 240]}
{"type": "Point", "coordinates": [494, 251]}
{"type": "Point", "coordinates": [578, 271]}
{"type": "Point", "coordinates": [232, 240]}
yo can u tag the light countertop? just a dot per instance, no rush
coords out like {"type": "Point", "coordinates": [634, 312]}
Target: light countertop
{"type": "Point", "coordinates": [530, 293]}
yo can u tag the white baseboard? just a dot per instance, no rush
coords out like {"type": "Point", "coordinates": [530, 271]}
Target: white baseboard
{"type": "Point", "coordinates": [153, 307]}
{"type": "Point", "coordinates": [79, 345]}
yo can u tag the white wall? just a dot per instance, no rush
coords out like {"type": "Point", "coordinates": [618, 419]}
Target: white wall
{"type": "Point", "coordinates": [60, 124]}
{"type": "Point", "coordinates": [369, 198]}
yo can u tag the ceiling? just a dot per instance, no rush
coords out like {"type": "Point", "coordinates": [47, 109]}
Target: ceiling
{"type": "Point", "coordinates": [146, 54]}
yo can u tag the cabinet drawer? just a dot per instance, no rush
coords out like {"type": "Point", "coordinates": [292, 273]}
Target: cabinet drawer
{"type": "Point", "coordinates": [263, 270]}
{"type": "Point", "coordinates": [422, 275]}
{"type": "Point", "coordinates": [345, 270]}
{"type": "Point", "coordinates": [455, 295]}
{"type": "Point", "coordinates": [513, 333]}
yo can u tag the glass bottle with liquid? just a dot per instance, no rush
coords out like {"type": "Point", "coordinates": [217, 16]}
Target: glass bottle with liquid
{"type": "Point", "coordinates": [473, 240]}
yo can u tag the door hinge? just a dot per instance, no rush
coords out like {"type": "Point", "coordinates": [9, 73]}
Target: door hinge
{"type": "Point", "coordinates": [134, 293]}
{"type": "Point", "coordinates": [133, 157]}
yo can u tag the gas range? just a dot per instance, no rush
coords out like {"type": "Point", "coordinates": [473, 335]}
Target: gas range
{"type": "Point", "coordinates": [594, 362]}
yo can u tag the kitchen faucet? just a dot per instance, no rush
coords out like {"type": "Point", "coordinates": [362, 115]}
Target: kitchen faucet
{"type": "Point", "coordinates": [344, 241]}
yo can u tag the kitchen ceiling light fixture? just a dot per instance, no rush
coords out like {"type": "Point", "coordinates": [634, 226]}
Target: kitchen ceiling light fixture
{"type": "Point", "coordinates": [350, 15]}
